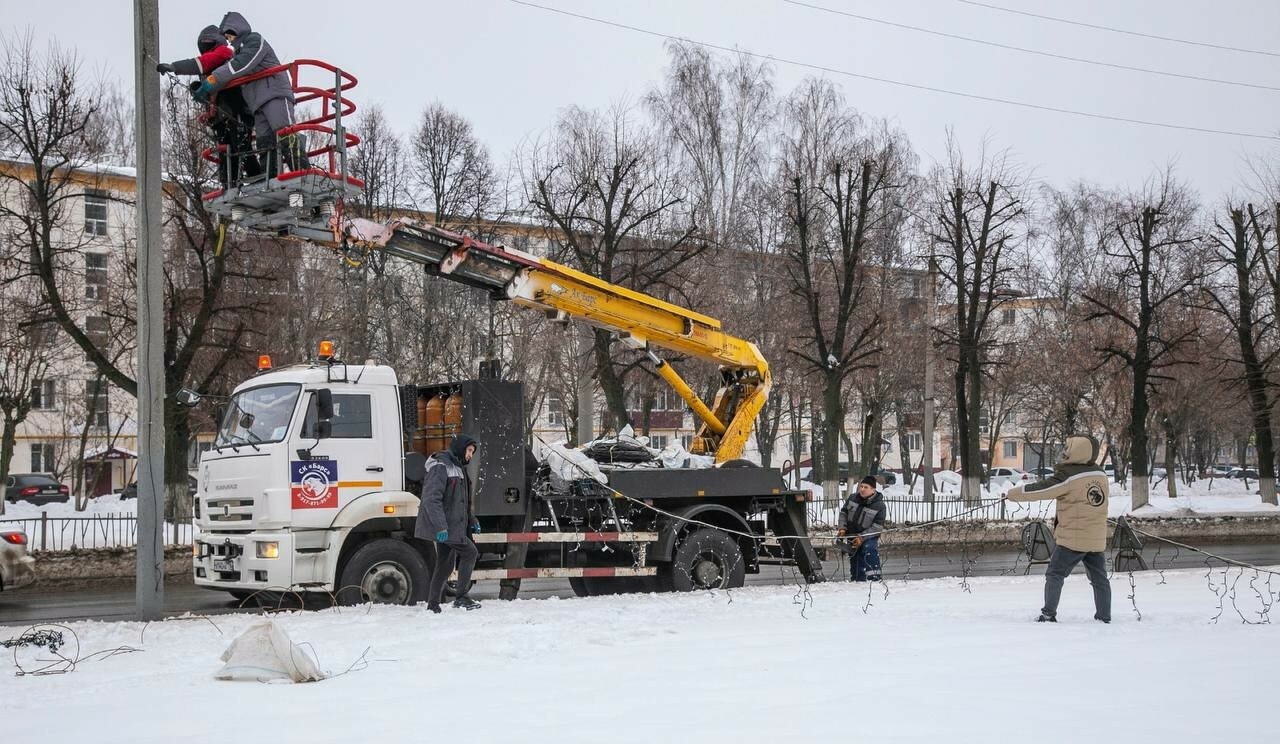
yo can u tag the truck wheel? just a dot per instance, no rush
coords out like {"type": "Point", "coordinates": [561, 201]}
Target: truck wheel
{"type": "Point", "coordinates": [384, 571]}
{"type": "Point", "coordinates": [707, 559]}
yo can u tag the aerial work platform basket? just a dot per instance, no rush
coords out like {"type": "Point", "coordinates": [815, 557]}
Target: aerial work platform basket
{"type": "Point", "coordinates": [300, 201]}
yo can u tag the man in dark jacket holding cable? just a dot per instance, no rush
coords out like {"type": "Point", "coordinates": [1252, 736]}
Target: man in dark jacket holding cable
{"type": "Point", "coordinates": [862, 518]}
{"type": "Point", "coordinates": [445, 517]}
{"type": "Point", "coordinates": [269, 98]}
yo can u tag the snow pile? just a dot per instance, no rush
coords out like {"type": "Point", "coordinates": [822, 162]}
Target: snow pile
{"type": "Point", "coordinates": [764, 664]}
{"type": "Point", "coordinates": [676, 456]}
{"type": "Point", "coordinates": [264, 653]}
{"type": "Point", "coordinates": [568, 464]}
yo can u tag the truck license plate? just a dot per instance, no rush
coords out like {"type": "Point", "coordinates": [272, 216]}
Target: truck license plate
{"type": "Point", "coordinates": [223, 566]}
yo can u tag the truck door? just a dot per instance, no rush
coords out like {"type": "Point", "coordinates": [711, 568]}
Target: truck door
{"type": "Point", "coordinates": [348, 463]}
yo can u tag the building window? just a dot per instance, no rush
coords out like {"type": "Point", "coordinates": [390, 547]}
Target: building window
{"type": "Point", "coordinates": [97, 403]}
{"type": "Point", "coordinates": [915, 442]}
{"type": "Point", "coordinates": [98, 329]}
{"type": "Point", "coordinates": [95, 276]}
{"type": "Point", "coordinates": [41, 457]}
{"type": "Point", "coordinates": [95, 213]}
{"type": "Point", "coordinates": [1010, 448]}
{"type": "Point", "coordinates": [43, 395]}
{"type": "Point", "coordinates": [686, 441]}
{"type": "Point", "coordinates": [1008, 315]}
{"type": "Point", "coordinates": [555, 411]}
{"type": "Point", "coordinates": [658, 441]}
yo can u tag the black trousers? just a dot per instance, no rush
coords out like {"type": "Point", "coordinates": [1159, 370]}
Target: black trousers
{"type": "Point", "coordinates": [461, 554]}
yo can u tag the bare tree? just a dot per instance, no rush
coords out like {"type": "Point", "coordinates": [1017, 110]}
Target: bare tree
{"type": "Point", "coordinates": [455, 181]}
{"type": "Point", "coordinates": [717, 114]}
{"type": "Point", "coordinates": [47, 119]}
{"type": "Point", "coordinates": [603, 184]}
{"type": "Point", "coordinates": [835, 176]}
{"type": "Point", "coordinates": [24, 362]}
{"type": "Point", "coordinates": [1247, 300]}
{"type": "Point", "coordinates": [976, 226]}
{"type": "Point", "coordinates": [1149, 274]}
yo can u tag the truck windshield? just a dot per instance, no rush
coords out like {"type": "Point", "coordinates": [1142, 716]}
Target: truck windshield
{"type": "Point", "coordinates": [258, 415]}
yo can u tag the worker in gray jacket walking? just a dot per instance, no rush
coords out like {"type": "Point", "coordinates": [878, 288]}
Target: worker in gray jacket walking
{"type": "Point", "coordinates": [445, 517]}
{"type": "Point", "coordinates": [1080, 527]}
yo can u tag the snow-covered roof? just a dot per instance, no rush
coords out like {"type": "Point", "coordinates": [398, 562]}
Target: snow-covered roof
{"type": "Point", "coordinates": [110, 453]}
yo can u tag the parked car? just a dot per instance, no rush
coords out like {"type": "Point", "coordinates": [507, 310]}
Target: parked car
{"type": "Point", "coordinates": [17, 568]}
{"type": "Point", "coordinates": [1040, 473]}
{"type": "Point", "coordinates": [36, 488]}
{"type": "Point", "coordinates": [1244, 473]}
{"type": "Point", "coordinates": [1008, 477]}
{"type": "Point", "coordinates": [131, 491]}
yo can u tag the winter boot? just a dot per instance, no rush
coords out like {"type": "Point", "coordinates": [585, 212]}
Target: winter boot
{"type": "Point", "coordinates": [466, 603]}
{"type": "Point", "coordinates": [434, 607]}
{"type": "Point", "coordinates": [1046, 618]}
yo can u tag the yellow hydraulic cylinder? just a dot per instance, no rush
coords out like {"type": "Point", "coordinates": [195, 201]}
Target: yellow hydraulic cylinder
{"type": "Point", "coordinates": [686, 393]}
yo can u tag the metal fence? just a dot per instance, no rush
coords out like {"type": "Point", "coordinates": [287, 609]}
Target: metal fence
{"type": "Point", "coordinates": [92, 531]}
{"type": "Point", "coordinates": [826, 513]}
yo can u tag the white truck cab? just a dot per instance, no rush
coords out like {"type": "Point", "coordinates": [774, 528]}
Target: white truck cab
{"type": "Point", "coordinates": [302, 455]}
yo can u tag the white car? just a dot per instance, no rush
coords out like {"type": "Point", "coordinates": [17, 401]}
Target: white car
{"type": "Point", "coordinates": [17, 568]}
{"type": "Point", "coordinates": [1002, 477]}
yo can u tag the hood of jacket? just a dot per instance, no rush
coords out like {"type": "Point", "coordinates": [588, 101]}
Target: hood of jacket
{"type": "Point", "coordinates": [1080, 451]}
{"type": "Point", "coordinates": [210, 38]}
{"type": "Point", "coordinates": [458, 447]}
{"type": "Point", "coordinates": [235, 23]}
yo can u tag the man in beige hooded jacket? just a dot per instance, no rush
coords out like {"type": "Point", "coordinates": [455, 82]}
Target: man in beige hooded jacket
{"type": "Point", "coordinates": [1080, 529]}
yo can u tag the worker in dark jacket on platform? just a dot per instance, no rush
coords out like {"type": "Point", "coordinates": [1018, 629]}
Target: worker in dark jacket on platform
{"type": "Point", "coordinates": [226, 114]}
{"type": "Point", "coordinates": [445, 517]}
{"type": "Point", "coordinates": [270, 98]}
{"type": "Point", "coordinates": [862, 520]}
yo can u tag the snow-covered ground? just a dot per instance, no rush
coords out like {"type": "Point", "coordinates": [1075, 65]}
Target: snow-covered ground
{"type": "Point", "coordinates": [929, 662]}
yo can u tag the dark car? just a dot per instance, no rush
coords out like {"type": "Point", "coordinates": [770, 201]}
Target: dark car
{"type": "Point", "coordinates": [131, 491]}
{"type": "Point", "coordinates": [36, 488]}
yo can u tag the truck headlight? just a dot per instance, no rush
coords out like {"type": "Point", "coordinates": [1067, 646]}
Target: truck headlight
{"type": "Point", "coordinates": [268, 549]}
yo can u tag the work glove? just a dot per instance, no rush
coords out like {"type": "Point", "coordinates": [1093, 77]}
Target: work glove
{"type": "Point", "coordinates": [840, 532]}
{"type": "Point", "coordinates": [475, 528]}
{"type": "Point", "coordinates": [855, 541]}
{"type": "Point", "coordinates": [442, 535]}
{"type": "Point", "coordinates": [164, 67]}
{"type": "Point", "coordinates": [203, 91]}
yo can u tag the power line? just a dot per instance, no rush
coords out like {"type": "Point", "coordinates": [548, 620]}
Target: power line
{"type": "Point", "coordinates": [1114, 30]}
{"type": "Point", "coordinates": [1025, 50]}
{"type": "Point", "coordinates": [888, 81]}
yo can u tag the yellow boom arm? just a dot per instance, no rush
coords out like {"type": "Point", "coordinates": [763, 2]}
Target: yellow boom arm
{"type": "Point", "coordinates": [641, 321]}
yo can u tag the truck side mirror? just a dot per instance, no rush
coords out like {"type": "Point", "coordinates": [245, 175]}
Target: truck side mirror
{"type": "Point", "coordinates": [324, 404]}
{"type": "Point", "coordinates": [324, 413]}
{"type": "Point", "coordinates": [187, 398]}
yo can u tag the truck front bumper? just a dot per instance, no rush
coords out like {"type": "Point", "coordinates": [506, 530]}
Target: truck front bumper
{"type": "Point", "coordinates": [257, 560]}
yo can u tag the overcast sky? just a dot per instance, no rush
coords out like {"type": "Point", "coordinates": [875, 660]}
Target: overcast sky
{"type": "Point", "coordinates": [508, 68]}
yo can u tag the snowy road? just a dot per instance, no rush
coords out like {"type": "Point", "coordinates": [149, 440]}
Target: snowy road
{"type": "Point", "coordinates": [931, 660]}
{"type": "Point", "coordinates": [115, 601]}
